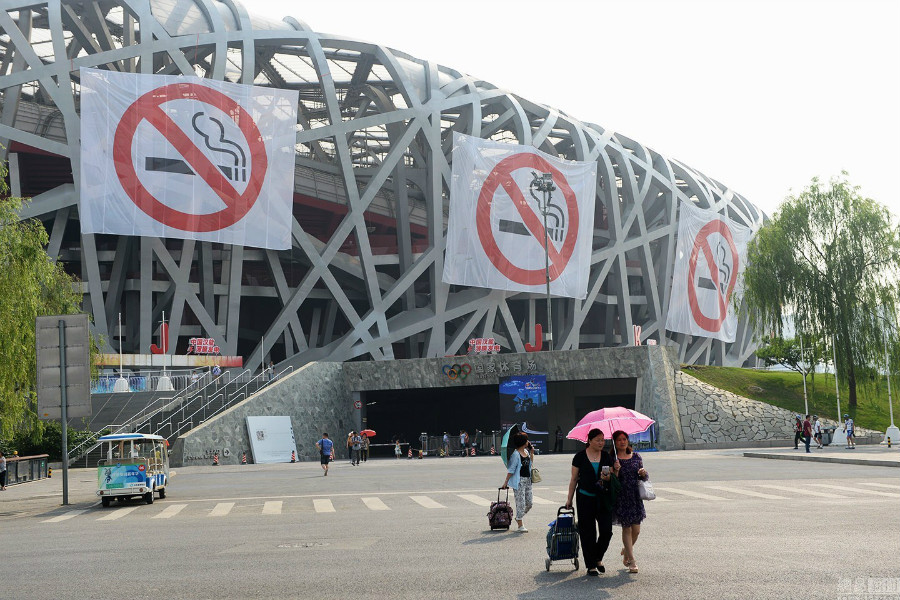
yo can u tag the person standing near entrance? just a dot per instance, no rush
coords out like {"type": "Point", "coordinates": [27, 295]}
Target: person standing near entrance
{"type": "Point", "coordinates": [356, 441]}
{"type": "Point", "coordinates": [446, 442]}
{"type": "Point", "coordinates": [325, 446]}
{"type": "Point", "coordinates": [807, 433]}
{"type": "Point", "coordinates": [557, 447]}
{"type": "Point", "coordinates": [463, 441]}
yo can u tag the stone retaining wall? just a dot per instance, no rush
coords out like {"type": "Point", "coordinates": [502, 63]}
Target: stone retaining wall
{"type": "Point", "coordinates": [711, 416]}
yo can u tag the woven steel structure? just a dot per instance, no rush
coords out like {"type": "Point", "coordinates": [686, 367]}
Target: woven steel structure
{"type": "Point", "coordinates": [363, 279]}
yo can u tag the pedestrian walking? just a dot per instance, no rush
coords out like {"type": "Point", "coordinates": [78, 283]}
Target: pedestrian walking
{"type": "Point", "coordinates": [595, 477]}
{"type": "Point", "coordinates": [357, 448]}
{"type": "Point", "coordinates": [463, 441]}
{"type": "Point", "coordinates": [3, 472]}
{"type": "Point", "coordinates": [817, 432]}
{"type": "Point", "coordinates": [518, 476]}
{"type": "Point", "coordinates": [446, 443]}
{"type": "Point", "coordinates": [629, 510]}
{"type": "Point", "coordinates": [325, 447]}
{"type": "Point", "coordinates": [364, 447]}
{"type": "Point", "coordinates": [397, 451]}
{"type": "Point", "coordinates": [807, 433]}
{"type": "Point", "coordinates": [350, 446]}
{"type": "Point", "coordinates": [849, 430]}
{"type": "Point", "coordinates": [557, 446]}
{"type": "Point", "coordinates": [798, 432]}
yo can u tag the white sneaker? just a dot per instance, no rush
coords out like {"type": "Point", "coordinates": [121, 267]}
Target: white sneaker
{"type": "Point", "coordinates": [522, 529]}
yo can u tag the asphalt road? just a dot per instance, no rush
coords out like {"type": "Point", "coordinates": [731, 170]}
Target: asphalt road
{"type": "Point", "coordinates": [418, 529]}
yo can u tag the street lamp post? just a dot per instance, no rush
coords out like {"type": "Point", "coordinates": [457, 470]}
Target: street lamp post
{"type": "Point", "coordinates": [893, 432]}
{"type": "Point", "coordinates": [544, 184]}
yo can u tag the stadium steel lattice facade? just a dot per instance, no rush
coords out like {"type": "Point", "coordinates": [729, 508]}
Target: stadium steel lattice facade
{"type": "Point", "coordinates": [363, 278]}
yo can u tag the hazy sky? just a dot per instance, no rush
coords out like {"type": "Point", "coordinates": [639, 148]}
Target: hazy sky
{"type": "Point", "coordinates": [761, 95]}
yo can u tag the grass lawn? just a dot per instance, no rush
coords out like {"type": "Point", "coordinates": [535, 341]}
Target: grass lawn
{"type": "Point", "coordinates": [785, 390]}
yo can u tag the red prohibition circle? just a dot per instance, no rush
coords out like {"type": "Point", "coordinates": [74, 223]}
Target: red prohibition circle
{"type": "Point", "coordinates": [701, 244]}
{"type": "Point", "coordinates": [501, 175]}
{"type": "Point", "coordinates": [141, 467]}
{"type": "Point", "coordinates": [148, 107]}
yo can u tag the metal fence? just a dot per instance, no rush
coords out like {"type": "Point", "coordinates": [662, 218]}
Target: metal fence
{"type": "Point", "coordinates": [22, 469]}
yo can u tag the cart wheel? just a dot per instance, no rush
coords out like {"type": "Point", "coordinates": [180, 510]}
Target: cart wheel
{"type": "Point", "coordinates": [576, 564]}
{"type": "Point", "coordinates": [162, 493]}
{"type": "Point", "coordinates": [547, 563]}
{"type": "Point", "coordinates": [148, 497]}
{"type": "Point", "coordinates": [105, 501]}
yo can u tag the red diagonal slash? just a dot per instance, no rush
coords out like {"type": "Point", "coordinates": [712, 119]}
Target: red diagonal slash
{"type": "Point", "coordinates": [148, 107]}
{"type": "Point", "coordinates": [501, 175]}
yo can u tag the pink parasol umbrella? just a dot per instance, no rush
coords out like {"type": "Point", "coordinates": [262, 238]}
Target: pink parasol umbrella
{"type": "Point", "coordinates": [609, 420]}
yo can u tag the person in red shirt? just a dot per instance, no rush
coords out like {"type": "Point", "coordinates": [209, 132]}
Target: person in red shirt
{"type": "Point", "coordinates": [807, 432]}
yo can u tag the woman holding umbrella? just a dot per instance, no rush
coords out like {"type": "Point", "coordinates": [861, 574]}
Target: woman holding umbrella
{"type": "Point", "coordinates": [518, 476]}
{"type": "Point", "coordinates": [594, 477]}
{"type": "Point", "coordinates": [629, 511]}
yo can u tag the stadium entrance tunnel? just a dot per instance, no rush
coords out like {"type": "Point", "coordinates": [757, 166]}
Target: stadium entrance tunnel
{"type": "Point", "coordinates": [482, 411]}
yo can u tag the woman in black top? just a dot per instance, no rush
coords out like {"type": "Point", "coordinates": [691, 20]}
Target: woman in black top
{"type": "Point", "coordinates": [593, 489]}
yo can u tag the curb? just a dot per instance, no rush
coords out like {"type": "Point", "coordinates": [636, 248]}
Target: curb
{"type": "Point", "coordinates": [826, 459]}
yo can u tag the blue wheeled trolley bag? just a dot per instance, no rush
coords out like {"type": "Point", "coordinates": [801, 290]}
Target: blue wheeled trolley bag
{"type": "Point", "coordinates": [562, 539]}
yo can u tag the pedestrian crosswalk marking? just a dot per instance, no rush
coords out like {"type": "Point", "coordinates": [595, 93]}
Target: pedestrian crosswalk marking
{"type": "Point", "coordinates": [221, 509]}
{"type": "Point", "coordinates": [118, 513]}
{"type": "Point", "coordinates": [475, 499]}
{"type": "Point", "coordinates": [64, 517]}
{"type": "Point", "coordinates": [802, 490]}
{"type": "Point", "coordinates": [883, 485]}
{"type": "Point", "coordinates": [856, 490]}
{"type": "Point", "coordinates": [539, 500]}
{"type": "Point", "coordinates": [323, 505]}
{"type": "Point", "coordinates": [170, 511]}
{"type": "Point", "coordinates": [745, 492]}
{"type": "Point", "coordinates": [426, 502]}
{"type": "Point", "coordinates": [691, 494]}
{"type": "Point", "coordinates": [375, 504]}
{"type": "Point", "coordinates": [273, 507]}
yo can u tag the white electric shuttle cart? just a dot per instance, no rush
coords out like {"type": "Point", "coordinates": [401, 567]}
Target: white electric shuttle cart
{"type": "Point", "coordinates": [133, 465]}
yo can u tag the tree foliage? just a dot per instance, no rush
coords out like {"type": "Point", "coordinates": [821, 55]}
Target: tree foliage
{"type": "Point", "coordinates": [829, 259]}
{"type": "Point", "coordinates": [30, 285]}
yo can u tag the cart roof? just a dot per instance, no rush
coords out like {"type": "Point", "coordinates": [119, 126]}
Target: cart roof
{"type": "Point", "coordinates": [119, 437]}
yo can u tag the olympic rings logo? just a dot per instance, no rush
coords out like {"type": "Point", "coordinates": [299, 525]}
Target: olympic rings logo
{"type": "Point", "coordinates": [457, 371]}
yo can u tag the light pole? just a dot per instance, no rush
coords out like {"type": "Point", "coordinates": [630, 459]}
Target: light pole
{"type": "Point", "coordinates": [544, 184]}
{"type": "Point", "coordinates": [805, 400]}
{"type": "Point", "coordinates": [892, 433]}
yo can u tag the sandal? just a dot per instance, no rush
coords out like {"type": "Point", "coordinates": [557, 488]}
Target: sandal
{"type": "Point", "coordinates": [632, 567]}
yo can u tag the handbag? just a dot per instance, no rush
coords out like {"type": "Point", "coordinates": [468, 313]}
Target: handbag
{"type": "Point", "coordinates": [536, 475]}
{"type": "Point", "coordinates": [645, 490]}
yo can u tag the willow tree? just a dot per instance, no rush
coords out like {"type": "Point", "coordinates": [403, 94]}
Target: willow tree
{"type": "Point", "coordinates": [30, 285]}
{"type": "Point", "coordinates": [829, 259]}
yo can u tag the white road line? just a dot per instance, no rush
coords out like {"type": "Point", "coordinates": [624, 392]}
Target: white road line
{"type": "Point", "coordinates": [375, 504]}
{"type": "Point", "coordinates": [883, 485]}
{"type": "Point", "coordinates": [800, 489]}
{"type": "Point", "coordinates": [686, 493]}
{"type": "Point", "coordinates": [475, 499]}
{"type": "Point", "coordinates": [323, 505]}
{"type": "Point", "coordinates": [272, 507]}
{"type": "Point", "coordinates": [539, 500]}
{"type": "Point", "coordinates": [426, 502]}
{"type": "Point", "coordinates": [170, 511]}
{"type": "Point", "coordinates": [118, 513]}
{"type": "Point", "coordinates": [744, 492]}
{"type": "Point", "coordinates": [221, 509]}
{"type": "Point", "coordinates": [855, 490]}
{"type": "Point", "coordinates": [657, 499]}
{"type": "Point", "coordinates": [64, 516]}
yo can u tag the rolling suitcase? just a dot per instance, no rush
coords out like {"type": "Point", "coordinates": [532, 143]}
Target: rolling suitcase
{"type": "Point", "coordinates": [501, 514]}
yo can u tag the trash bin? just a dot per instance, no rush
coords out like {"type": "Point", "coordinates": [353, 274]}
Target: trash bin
{"type": "Point", "coordinates": [827, 435]}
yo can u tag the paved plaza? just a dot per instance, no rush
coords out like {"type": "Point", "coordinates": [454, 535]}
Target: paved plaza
{"type": "Point", "coordinates": [723, 526]}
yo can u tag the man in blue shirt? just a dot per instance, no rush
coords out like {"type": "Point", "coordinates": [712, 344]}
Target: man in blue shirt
{"type": "Point", "coordinates": [325, 447]}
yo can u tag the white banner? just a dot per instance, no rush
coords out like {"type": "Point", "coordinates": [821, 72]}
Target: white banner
{"type": "Point", "coordinates": [495, 234]}
{"type": "Point", "coordinates": [709, 262]}
{"type": "Point", "coordinates": [184, 157]}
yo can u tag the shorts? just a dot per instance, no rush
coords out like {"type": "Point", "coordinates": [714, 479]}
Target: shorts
{"type": "Point", "coordinates": [325, 459]}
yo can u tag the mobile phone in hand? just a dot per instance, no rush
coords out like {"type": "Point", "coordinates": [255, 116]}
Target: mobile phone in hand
{"type": "Point", "coordinates": [605, 469]}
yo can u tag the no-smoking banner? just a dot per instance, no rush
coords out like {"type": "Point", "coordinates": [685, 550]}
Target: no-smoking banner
{"type": "Point", "coordinates": [184, 157]}
{"type": "Point", "coordinates": [496, 234]}
{"type": "Point", "coordinates": [710, 258]}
